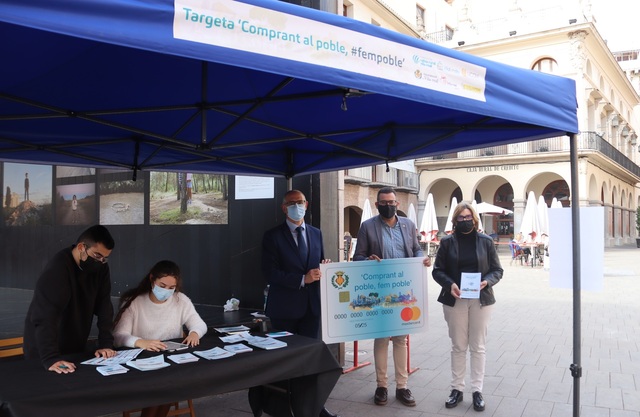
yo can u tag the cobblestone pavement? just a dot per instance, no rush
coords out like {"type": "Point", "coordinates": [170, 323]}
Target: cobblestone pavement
{"type": "Point", "coordinates": [530, 349]}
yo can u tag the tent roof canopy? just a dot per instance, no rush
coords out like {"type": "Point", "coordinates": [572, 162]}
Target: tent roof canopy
{"type": "Point", "coordinates": [269, 88]}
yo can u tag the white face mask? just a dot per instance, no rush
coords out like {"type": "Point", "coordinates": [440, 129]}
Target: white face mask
{"type": "Point", "coordinates": [296, 212]}
{"type": "Point", "coordinates": [162, 294]}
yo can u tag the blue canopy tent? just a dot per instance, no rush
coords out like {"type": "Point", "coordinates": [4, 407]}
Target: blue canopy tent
{"type": "Point", "coordinates": [252, 87]}
{"type": "Point", "coordinates": [256, 87]}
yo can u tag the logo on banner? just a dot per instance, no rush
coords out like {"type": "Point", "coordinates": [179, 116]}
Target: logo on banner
{"type": "Point", "coordinates": [340, 280]}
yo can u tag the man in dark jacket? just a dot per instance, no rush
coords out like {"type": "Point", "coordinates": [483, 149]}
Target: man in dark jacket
{"type": "Point", "coordinates": [389, 236]}
{"type": "Point", "coordinates": [75, 285]}
{"type": "Point", "coordinates": [291, 256]}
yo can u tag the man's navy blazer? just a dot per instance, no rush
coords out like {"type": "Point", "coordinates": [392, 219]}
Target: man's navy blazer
{"type": "Point", "coordinates": [284, 269]}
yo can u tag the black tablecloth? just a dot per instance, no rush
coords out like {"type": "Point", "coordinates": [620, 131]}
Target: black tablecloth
{"type": "Point", "coordinates": [28, 390]}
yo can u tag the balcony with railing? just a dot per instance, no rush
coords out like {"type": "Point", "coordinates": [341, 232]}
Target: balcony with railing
{"type": "Point", "coordinates": [440, 36]}
{"type": "Point", "coordinates": [358, 175]}
{"type": "Point", "coordinates": [407, 181]}
{"type": "Point", "coordinates": [382, 176]}
{"type": "Point", "coordinates": [587, 141]}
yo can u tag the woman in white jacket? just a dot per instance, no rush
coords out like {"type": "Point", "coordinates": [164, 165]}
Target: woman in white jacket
{"type": "Point", "coordinates": [154, 311]}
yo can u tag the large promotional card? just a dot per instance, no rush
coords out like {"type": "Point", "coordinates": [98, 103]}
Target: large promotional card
{"type": "Point", "coordinates": [371, 299]}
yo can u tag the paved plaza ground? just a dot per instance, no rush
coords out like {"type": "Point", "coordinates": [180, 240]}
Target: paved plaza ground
{"type": "Point", "coordinates": [530, 349]}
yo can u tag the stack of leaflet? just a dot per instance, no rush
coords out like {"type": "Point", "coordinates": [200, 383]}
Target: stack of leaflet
{"type": "Point", "coordinates": [279, 334]}
{"type": "Point", "coordinates": [267, 343]}
{"type": "Point", "coordinates": [122, 356]}
{"type": "Point", "coordinates": [232, 329]}
{"type": "Point", "coordinates": [183, 358]}
{"type": "Point", "coordinates": [238, 348]}
{"type": "Point", "coordinates": [149, 364]}
{"type": "Point", "coordinates": [235, 338]}
{"type": "Point", "coordinates": [112, 370]}
{"type": "Point", "coordinates": [234, 334]}
{"type": "Point", "coordinates": [215, 353]}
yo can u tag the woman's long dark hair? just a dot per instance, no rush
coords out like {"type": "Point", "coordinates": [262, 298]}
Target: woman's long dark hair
{"type": "Point", "coordinates": [159, 270]}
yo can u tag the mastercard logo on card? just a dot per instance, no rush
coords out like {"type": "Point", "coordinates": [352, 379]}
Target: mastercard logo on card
{"type": "Point", "coordinates": [410, 313]}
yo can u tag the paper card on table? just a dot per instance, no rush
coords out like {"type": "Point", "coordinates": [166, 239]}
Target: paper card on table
{"type": "Point", "coordinates": [112, 370]}
{"type": "Point", "coordinates": [173, 346]}
{"type": "Point", "coordinates": [279, 334]}
{"type": "Point", "coordinates": [238, 348]}
{"type": "Point", "coordinates": [232, 329]}
{"type": "Point", "coordinates": [234, 338]}
{"type": "Point", "coordinates": [122, 356]}
{"type": "Point", "coordinates": [215, 353]}
{"type": "Point", "coordinates": [149, 364]}
{"type": "Point", "coordinates": [266, 343]}
{"type": "Point", "coordinates": [470, 285]}
{"type": "Point", "coordinates": [183, 358]}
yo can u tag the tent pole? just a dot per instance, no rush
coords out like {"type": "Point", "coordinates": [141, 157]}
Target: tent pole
{"type": "Point", "coordinates": [576, 367]}
{"type": "Point", "coordinates": [204, 66]}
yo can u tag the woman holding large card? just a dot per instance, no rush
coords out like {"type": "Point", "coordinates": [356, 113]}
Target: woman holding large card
{"type": "Point", "coordinates": [467, 267]}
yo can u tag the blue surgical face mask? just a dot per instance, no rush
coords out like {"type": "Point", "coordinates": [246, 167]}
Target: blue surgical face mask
{"type": "Point", "coordinates": [162, 294]}
{"type": "Point", "coordinates": [296, 212]}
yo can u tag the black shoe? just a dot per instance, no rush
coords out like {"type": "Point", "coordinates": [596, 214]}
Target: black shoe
{"type": "Point", "coordinates": [404, 396]}
{"type": "Point", "coordinates": [380, 397]}
{"type": "Point", "coordinates": [454, 398]}
{"type": "Point", "coordinates": [478, 401]}
{"type": "Point", "coordinates": [327, 413]}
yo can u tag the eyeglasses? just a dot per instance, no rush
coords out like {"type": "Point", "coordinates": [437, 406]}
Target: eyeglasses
{"type": "Point", "coordinates": [291, 203]}
{"type": "Point", "coordinates": [98, 257]}
{"type": "Point", "coordinates": [387, 203]}
{"type": "Point", "coordinates": [464, 218]}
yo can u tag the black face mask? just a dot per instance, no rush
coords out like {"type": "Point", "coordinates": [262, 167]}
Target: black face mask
{"type": "Point", "coordinates": [465, 226]}
{"type": "Point", "coordinates": [387, 211]}
{"type": "Point", "coordinates": [90, 265]}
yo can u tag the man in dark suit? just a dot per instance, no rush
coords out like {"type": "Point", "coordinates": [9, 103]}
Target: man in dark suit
{"type": "Point", "coordinates": [291, 256]}
{"type": "Point", "coordinates": [384, 237]}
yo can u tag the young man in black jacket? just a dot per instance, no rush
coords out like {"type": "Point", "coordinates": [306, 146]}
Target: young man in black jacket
{"type": "Point", "coordinates": [75, 285]}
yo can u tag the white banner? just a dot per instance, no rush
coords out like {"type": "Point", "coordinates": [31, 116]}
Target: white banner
{"type": "Point", "coordinates": [244, 27]}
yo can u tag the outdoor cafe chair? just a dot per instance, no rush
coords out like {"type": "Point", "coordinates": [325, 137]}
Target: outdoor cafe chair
{"type": "Point", "coordinates": [516, 253]}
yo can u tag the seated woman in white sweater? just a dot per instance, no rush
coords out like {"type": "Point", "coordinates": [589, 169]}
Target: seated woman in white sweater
{"type": "Point", "coordinates": [154, 311]}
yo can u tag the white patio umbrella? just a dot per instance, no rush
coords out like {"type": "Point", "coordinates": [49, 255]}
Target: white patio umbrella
{"type": "Point", "coordinates": [543, 214]}
{"type": "Point", "coordinates": [530, 218]}
{"type": "Point", "coordinates": [486, 208]}
{"type": "Point", "coordinates": [448, 227]}
{"type": "Point", "coordinates": [411, 214]}
{"type": "Point", "coordinates": [480, 225]}
{"type": "Point", "coordinates": [366, 211]}
{"type": "Point", "coordinates": [555, 203]}
{"type": "Point", "coordinates": [429, 223]}
{"type": "Point", "coordinates": [366, 215]}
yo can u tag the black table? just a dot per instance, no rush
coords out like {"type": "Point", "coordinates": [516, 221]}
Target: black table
{"type": "Point", "coordinates": [27, 389]}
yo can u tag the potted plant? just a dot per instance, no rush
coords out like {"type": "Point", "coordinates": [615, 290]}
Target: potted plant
{"type": "Point", "coordinates": [638, 227]}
